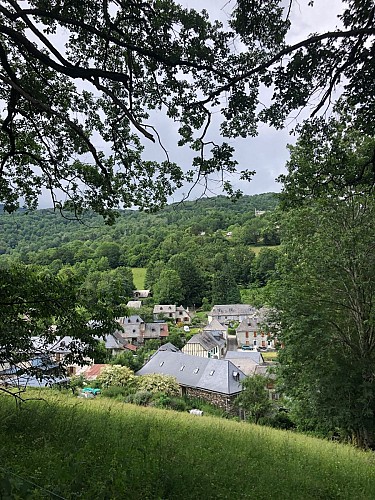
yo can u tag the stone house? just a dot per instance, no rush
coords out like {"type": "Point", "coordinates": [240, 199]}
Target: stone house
{"type": "Point", "coordinates": [251, 332]}
{"type": "Point", "coordinates": [136, 331]}
{"type": "Point", "coordinates": [224, 314]}
{"type": "Point", "coordinates": [217, 381]}
{"type": "Point", "coordinates": [132, 328]}
{"type": "Point", "coordinates": [170, 311]}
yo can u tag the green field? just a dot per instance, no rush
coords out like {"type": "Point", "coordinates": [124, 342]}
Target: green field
{"type": "Point", "coordinates": [69, 448]}
{"type": "Point", "coordinates": [139, 274]}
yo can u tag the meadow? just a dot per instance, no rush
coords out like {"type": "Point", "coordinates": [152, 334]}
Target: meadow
{"type": "Point", "coordinates": [139, 274]}
{"type": "Point", "coordinates": [64, 447]}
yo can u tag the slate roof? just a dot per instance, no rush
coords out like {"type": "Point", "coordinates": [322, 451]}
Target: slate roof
{"type": "Point", "coordinates": [256, 356]}
{"type": "Point", "coordinates": [164, 308]}
{"type": "Point", "coordinates": [232, 309]}
{"type": "Point", "coordinates": [215, 326]}
{"type": "Point", "coordinates": [214, 375]}
{"type": "Point", "coordinates": [168, 347]}
{"type": "Point", "coordinates": [207, 340]}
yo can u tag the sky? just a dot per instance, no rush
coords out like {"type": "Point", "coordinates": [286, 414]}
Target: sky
{"type": "Point", "coordinates": [267, 153]}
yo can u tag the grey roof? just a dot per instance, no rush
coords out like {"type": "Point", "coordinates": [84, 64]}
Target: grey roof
{"type": "Point", "coordinates": [232, 309]}
{"type": "Point", "coordinates": [168, 347]}
{"type": "Point", "coordinates": [164, 308]}
{"type": "Point", "coordinates": [206, 340]}
{"type": "Point", "coordinates": [113, 342]}
{"type": "Point", "coordinates": [215, 375]}
{"type": "Point", "coordinates": [215, 326]}
{"type": "Point", "coordinates": [130, 320]}
{"type": "Point", "coordinates": [254, 355]}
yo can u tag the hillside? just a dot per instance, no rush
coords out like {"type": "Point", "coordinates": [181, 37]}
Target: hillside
{"type": "Point", "coordinates": [44, 229]}
{"type": "Point", "coordinates": [100, 449]}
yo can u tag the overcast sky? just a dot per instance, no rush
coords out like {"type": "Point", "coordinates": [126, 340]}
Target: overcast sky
{"type": "Point", "coordinates": [266, 153]}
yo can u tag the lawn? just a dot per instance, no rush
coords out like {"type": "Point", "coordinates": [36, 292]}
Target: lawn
{"type": "Point", "coordinates": [69, 448]}
{"type": "Point", "coordinates": [139, 274]}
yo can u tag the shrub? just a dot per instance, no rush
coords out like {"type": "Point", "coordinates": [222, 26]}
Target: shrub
{"type": "Point", "coordinates": [162, 401]}
{"type": "Point", "coordinates": [117, 375]}
{"type": "Point", "coordinates": [141, 398]}
{"type": "Point", "coordinates": [156, 382]}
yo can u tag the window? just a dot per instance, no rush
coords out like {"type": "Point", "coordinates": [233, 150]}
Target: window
{"type": "Point", "coordinates": [247, 335]}
{"type": "Point", "coordinates": [196, 370]}
{"type": "Point", "coordinates": [161, 363]}
{"type": "Point", "coordinates": [212, 372]}
{"type": "Point", "coordinates": [255, 334]}
{"type": "Point", "coordinates": [182, 368]}
{"type": "Point", "coordinates": [255, 342]}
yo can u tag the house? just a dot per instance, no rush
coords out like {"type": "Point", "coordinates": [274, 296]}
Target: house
{"type": "Point", "coordinates": [141, 294]}
{"type": "Point", "coordinates": [215, 327]}
{"type": "Point", "coordinates": [217, 381]}
{"type": "Point", "coordinates": [247, 361]}
{"type": "Point", "coordinates": [155, 331]}
{"type": "Point", "coordinates": [177, 313]}
{"type": "Point", "coordinates": [206, 344]}
{"type": "Point", "coordinates": [251, 331]}
{"type": "Point", "coordinates": [134, 304]}
{"type": "Point", "coordinates": [224, 314]}
{"type": "Point", "coordinates": [132, 328]}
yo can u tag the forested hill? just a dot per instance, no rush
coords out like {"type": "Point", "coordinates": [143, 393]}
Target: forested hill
{"type": "Point", "coordinates": [25, 233]}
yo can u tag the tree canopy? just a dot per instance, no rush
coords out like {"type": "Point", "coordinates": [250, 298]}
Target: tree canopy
{"type": "Point", "coordinates": [81, 81]}
{"type": "Point", "coordinates": [326, 293]}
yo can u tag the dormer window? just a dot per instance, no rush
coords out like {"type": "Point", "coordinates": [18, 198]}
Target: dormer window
{"type": "Point", "coordinates": [196, 370]}
{"type": "Point", "coordinates": [161, 363]}
{"type": "Point", "coordinates": [212, 372]}
{"type": "Point", "coordinates": [182, 368]}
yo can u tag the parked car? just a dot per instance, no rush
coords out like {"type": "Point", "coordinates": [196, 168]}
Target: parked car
{"type": "Point", "coordinates": [247, 348]}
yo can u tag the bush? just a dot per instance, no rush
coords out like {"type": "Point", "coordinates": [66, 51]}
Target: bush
{"type": "Point", "coordinates": [117, 375]}
{"type": "Point", "coordinates": [156, 382]}
{"type": "Point", "coordinates": [116, 392]}
{"type": "Point", "coordinates": [162, 401]}
{"type": "Point", "coordinates": [141, 398]}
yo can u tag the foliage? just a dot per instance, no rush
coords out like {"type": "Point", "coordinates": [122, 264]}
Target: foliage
{"type": "Point", "coordinates": [168, 288]}
{"type": "Point", "coordinates": [254, 398]}
{"type": "Point", "coordinates": [127, 358]}
{"type": "Point", "coordinates": [141, 398]}
{"type": "Point", "coordinates": [116, 375]}
{"type": "Point", "coordinates": [157, 383]}
{"type": "Point", "coordinates": [169, 454]}
{"type": "Point", "coordinates": [36, 304]}
{"type": "Point", "coordinates": [224, 288]}
{"type": "Point", "coordinates": [326, 289]}
{"type": "Point", "coordinates": [119, 63]}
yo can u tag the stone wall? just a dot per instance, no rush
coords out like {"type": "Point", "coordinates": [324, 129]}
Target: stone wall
{"type": "Point", "coordinates": [222, 401]}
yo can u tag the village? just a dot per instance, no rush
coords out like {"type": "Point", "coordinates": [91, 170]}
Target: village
{"type": "Point", "coordinates": [210, 366]}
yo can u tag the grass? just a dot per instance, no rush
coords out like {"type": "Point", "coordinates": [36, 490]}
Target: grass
{"type": "Point", "coordinates": [109, 450]}
{"type": "Point", "coordinates": [139, 274]}
{"type": "Point", "coordinates": [269, 355]}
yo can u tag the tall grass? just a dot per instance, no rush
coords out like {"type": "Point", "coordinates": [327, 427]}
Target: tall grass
{"type": "Point", "coordinates": [139, 274]}
{"type": "Point", "coordinates": [100, 449]}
